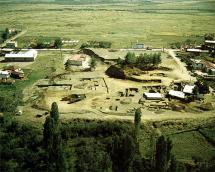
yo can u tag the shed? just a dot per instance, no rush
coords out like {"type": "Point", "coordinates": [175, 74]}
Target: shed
{"type": "Point", "coordinates": [4, 74]}
{"type": "Point", "coordinates": [11, 44]}
{"type": "Point", "coordinates": [188, 89]}
{"type": "Point", "coordinates": [28, 56]}
{"type": "Point", "coordinates": [153, 96]}
{"type": "Point", "coordinates": [177, 94]}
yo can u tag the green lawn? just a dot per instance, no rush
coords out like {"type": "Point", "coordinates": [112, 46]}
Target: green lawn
{"type": "Point", "coordinates": [45, 65]}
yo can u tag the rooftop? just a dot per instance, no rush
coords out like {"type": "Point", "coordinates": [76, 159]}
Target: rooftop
{"type": "Point", "coordinates": [178, 94]}
{"type": "Point", "coordinates": [27, 54]}
{"type": "Point", "coordinates": [188, 89]}
{"type": "Point", "coordinates": [210, 41]}
{"type": "Point", "coordinates": [78, 57]}
{"type": "Point", "coordinates": [196, 50]}
{"type": "Point", "coordinates": [153, 95]}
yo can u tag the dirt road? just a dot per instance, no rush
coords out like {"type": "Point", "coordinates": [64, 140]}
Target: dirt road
{"type": "Point", "coordinates": [181, 66]}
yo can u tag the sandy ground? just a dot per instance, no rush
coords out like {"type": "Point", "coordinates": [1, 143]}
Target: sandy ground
{"type": "Point", "coordinates": [98, 102]}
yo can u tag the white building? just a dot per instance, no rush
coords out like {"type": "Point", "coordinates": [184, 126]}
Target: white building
{"type": "Point", "coordinates": [188, 89]}
{"type": "Point", "coordinates": [28, 56]}
{"type": "Point", "coordinates": [79, 61]}
{"type": "Point", "coordinates": [4, 74]}
{"type": "Point", "coordinates": [177, 94]}
{"type": "Point", "coordinates": [153, 96]}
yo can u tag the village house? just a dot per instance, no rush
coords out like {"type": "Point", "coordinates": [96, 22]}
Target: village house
{"type": "Point", "coordinates": [79, 61]}
{"type": "Point", "coordinates": [28, 56]}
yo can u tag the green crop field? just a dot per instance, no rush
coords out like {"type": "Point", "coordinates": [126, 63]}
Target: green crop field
{"type": "Point", "coordinates": [155, 23]}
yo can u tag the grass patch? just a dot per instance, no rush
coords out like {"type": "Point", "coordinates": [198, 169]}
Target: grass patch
{"type": "Point", "coordinates": [155, 24]}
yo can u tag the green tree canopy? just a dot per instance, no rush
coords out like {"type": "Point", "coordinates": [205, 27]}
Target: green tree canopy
{"type": "Point", "coordinates": [58, 43]}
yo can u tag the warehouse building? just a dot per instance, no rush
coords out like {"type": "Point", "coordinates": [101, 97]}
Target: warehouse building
{"type": "Point", "coordinates": [28, 56]}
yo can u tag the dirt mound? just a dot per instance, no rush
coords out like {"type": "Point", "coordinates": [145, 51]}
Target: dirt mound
{"type": "Point", "coordinates": [116, 72]}
{"type": "Point", "coordinates": [123, 73]}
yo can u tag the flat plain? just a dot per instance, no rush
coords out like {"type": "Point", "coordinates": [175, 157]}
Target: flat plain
{"type": "Point", "coordinates": [155, 23]}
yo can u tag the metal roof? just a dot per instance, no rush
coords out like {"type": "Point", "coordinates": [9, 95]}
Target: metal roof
{"type": "Point", "coordinates": [153, 95]}
{"type": "Point", "coordinates": [28, 54]}
{"type": "Point", "coordinates": [178, 94]}
{"type": "Point", "coordinates": [210, 41]}
{"type": "Point", "coordinates": [188, 89]}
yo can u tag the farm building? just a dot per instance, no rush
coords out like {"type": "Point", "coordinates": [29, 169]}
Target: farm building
{"type": "Point", "coordinates": [196, 51]}
{"type": "Point", "coordinates": [138, 46]}
{"type": "Point", "coordinates": [153, 96]}
{"type": "Point", "coordinates": [79, 60]}
{"type": "Point", "coordinates": [210, 44]}
{"type": "Point", "coordinates": [177, 94]}
{"type": "Point", "coordinates": [4, 74]}
{"type": "Point", "coordinates": [11, 44]}
{"type": "Point", "coordinates": [28, 56]}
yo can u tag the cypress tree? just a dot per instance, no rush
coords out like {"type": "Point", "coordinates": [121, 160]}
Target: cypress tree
{"type": "Point", "coordinates": [54, 112]}
{"type": "Point", "coordinates": [163, 153]}
{"type": "Point", "coordinates": [53, 141]}
{"type": "Point", "coordinates": [48, 133]}
{"type": "Point", "coordinates": [137, 121]}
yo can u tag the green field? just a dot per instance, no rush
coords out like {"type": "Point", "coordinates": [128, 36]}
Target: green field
{"type": "Point", "coordinates": [155, 23]}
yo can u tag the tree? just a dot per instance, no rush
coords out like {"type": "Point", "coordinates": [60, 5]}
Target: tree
{"type": "Point", "coordinates": [137, 121]}
{"type": "Point", "coordinates": [58, 43]}
{"type": "Point", "coordinates": [130, 58]}
{"type": "Point", "coordinates": [156, 59]}
{"type": "Point", "coordinates": [48, 132]}
{"type": "Point", "coordinates": [202, 87]}
{"type": "Point", "coordinates": [53, 141]}
{"type": "Point", "coordinates": [93, 63]}
{"type": "Point", "coordinates": [209, 36]}
{"type": "Point", "coordinates": [91, 156]}
{"type": "Point", "coordinates": [54, 113]}
{"type": "Point", "coordinates": [163, 153]}
{"type": "Point", "coordinates": [122, 152]}
{"type": "Point", "coordinates": [173, 164]}
{"type": "Point", "coordinates": [5, 34]}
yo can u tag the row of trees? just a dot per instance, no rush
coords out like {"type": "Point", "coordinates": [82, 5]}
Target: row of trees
{"type": "Point", "coordinates": [143, 61]}
{"type": "Point", "coordinates": [164, 160]}
{"type": "Point", "coordinates": [81, 145]}
{"type": "Point", "coordinates": [96, 44]}
{"type": "Point", "coordinates": [40, 44]}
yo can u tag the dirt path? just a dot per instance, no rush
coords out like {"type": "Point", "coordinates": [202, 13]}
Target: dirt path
{"type": "Point", "coordinates": [181, 66]}
{"type": "Point", "coordinates": [14, 37]}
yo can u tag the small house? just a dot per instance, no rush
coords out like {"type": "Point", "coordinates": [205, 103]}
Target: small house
{"type": "Point", "coordinates": [197, 64]}
{"type": "Point", "coordinates": [4, 74]}
{"type": "Point", "coordinates": [153, 96]}
{"type": "Point", "coordinates": [11, 44]}
{"type": "Point", "coordinates": [79, 61]}
{"type": "Point", "coordinates": [28, 56]}
{"type": "Point", "coordinates": [138, 46]}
